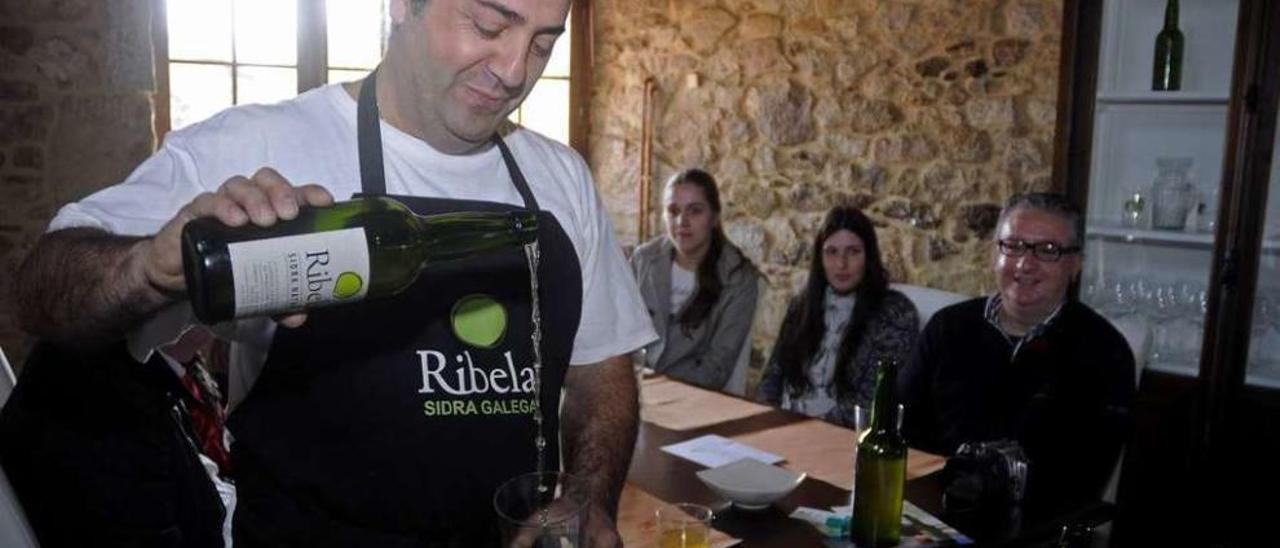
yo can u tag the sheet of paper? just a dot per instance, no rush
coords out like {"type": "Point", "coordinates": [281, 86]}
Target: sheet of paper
{"type": "Point", "coordinates": [712, 451]}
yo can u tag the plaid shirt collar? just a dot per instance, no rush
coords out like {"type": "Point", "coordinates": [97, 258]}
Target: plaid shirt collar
{"type": "Point", "coordinates": [992, 314]}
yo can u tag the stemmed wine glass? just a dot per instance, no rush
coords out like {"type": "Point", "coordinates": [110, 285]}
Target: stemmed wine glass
{"type": "Point", "coordinates": [1162, 308]}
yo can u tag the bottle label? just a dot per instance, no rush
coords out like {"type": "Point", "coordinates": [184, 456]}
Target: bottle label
{"type": "Point", "coordinates": [292, 273]}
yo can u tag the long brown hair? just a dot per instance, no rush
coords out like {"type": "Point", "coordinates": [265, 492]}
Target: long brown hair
{"type": "Point", "coordinates": [709, 283]}
{"type": "Point", "coordinates": [805, 325]}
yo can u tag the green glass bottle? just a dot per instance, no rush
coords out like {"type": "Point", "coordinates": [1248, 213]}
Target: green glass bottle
{"type": "Point", "coordinates": [348, 252]}
{"type": "Point", "coordinates": [881, 468]}
{"type": "Point", "coordinates": [1166, 73]}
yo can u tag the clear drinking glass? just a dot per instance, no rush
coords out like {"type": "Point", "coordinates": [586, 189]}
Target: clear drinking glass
{"type": "Point", "coordinates": [1162, 309]}
{"type": "Point", "coordinates": [684, 525]}
{"type": "Point", "coordinates": [542, 510]}
{"type": "Point", "coordinates": [1132, 212]}
{"type": "Point", "coordinates": [861, 420]}
{"type": "Point", "coordinates": [1125, 296]}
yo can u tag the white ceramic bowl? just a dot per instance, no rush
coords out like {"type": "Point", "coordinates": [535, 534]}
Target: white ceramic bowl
{"type": "Point", "coordinates": [749, 483]}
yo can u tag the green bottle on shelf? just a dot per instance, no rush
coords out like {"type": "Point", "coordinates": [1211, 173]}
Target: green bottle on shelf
{"type": "Point", "coordinates": [348, 252]}
{"type": "Point", "coordinates": [881, 468]}
{"type": "Point", "coordinates": [1166, 73]}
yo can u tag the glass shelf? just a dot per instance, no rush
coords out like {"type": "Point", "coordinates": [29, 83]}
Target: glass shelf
{"type": "Point", "coordinates": [1142, 235]}
{"type": "Point", "coordinates": [1162, 98]}
{"type": "Point", "coordinates": [1104, 231]}
{"type": "Point", "coordinates": [1265, 381]}
{"type": "Point", "coordinates": [1182, 369]}
{"type": "Point", "coordinates": [1267, 376]}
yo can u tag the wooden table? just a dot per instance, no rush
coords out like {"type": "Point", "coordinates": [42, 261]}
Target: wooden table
{"type": "Point", "coordinates": [676, 412]}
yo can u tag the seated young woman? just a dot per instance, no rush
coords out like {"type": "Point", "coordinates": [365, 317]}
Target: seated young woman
{"type": "Point", "coordinates": [700, 290]}
{"type": "Point", "coordinates": [844, 322]}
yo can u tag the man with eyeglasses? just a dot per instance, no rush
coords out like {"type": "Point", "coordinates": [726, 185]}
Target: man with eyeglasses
{"type": "Point", "coordinates": [1029, 363]}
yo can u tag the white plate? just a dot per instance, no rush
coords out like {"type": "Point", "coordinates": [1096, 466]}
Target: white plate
{"type": "Point", "coordinates": [751, 484]}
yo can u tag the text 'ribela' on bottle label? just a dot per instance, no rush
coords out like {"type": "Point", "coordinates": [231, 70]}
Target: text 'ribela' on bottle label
{"type": "Point", "coordinates": [296, 272]}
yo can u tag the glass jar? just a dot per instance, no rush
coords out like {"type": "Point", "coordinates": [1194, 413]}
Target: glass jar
{"type": "Point", "coordinates": [1173, 193]}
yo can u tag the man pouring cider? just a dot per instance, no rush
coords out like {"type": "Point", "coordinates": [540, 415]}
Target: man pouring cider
{"type": "Point", "coordinates": [392, 422]}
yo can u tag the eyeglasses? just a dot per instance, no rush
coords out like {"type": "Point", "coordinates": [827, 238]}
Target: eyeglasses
{"type": "Point", "coordinates": [1049, 252]}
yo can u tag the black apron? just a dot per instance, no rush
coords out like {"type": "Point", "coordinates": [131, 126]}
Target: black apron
{"type": "Point", "coordinates": [378, 424]}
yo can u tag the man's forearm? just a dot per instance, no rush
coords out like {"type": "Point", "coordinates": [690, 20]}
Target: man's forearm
{"type": "Point", "coordinates": [85, 286]}
{"type": "Point", "coordinates": [600, 423]}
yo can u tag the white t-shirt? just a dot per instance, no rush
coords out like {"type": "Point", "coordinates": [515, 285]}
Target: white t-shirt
{"type": "Point", "coordinates": [683, 283]}
{"type": "Point", "coordinates": [312, 139]}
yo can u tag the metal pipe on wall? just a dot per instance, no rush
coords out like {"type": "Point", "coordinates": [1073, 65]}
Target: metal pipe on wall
{"type": "Point", "coordinates": [646, 164]}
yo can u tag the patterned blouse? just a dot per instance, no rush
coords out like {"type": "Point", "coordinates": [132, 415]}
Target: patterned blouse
{"type": "Point", "coordinates": [890, 334]}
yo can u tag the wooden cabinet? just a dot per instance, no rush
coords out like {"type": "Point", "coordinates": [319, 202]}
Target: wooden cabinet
{"type": "Point", "coordinates": [1206, 296]}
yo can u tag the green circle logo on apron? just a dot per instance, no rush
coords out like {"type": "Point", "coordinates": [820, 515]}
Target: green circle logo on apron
{"type": "Point", "coordinates": [348, 285]}
{"type": "Point", "coordinates": [479, 321]}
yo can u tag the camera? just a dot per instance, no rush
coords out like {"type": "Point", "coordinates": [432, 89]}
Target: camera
{"type": "Point", "coordinates": [985, 475]}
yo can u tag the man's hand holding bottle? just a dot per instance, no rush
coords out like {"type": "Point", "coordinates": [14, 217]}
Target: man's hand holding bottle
{"type": "Point", "coordinates": [263, 200]}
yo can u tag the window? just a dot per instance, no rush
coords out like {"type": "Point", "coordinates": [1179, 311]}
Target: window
{"type": "Point", "coordinates": [355, 38]}
{"type": "Point", "coordinates": [212, 54]}
{"type": "Point", "coordinates": [546, 109]}
{"type": "Point", "coordinates": [219, 53]}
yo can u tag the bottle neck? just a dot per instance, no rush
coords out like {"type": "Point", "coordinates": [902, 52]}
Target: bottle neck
{"type": "Point", "coordinates": [884, 410]}
{"type": "Point", "coordinates": [458, 235]}
{"type": "Point", "coordinates": [422, 239]}
{"type": "Point", "coordinates": [1171, 15]}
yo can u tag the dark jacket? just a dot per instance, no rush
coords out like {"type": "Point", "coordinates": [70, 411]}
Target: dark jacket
{"type": "Point", "coordinates": [96, 447]}
{"type": "Point", "coordinates": [1066, 395]}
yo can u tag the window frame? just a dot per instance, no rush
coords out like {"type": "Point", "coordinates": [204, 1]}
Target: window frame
{"type": "Point", "coordinates": [313, 53]}
{"type": "Point", "coordinates": [581, 61]}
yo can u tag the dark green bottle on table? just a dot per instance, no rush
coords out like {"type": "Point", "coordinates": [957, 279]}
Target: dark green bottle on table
{"type": "Point", "coordinates": [881, 468]}
{"type": "Point", "coordinates": [1166, 73]}
{"type": "Point", "coordinates": [351, 251]}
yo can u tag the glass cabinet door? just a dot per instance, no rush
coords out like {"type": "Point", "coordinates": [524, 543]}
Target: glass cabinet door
{"type": "Point", "coordinates": [1154, 179]}
{"type": "Point", "coordinates": [1264, 341]}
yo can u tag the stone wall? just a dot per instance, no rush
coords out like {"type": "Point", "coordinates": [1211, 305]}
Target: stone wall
{"type": "Point", "coordinates": [927, 114]}
{"type": "Point", "coordinates": [76, 79]}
